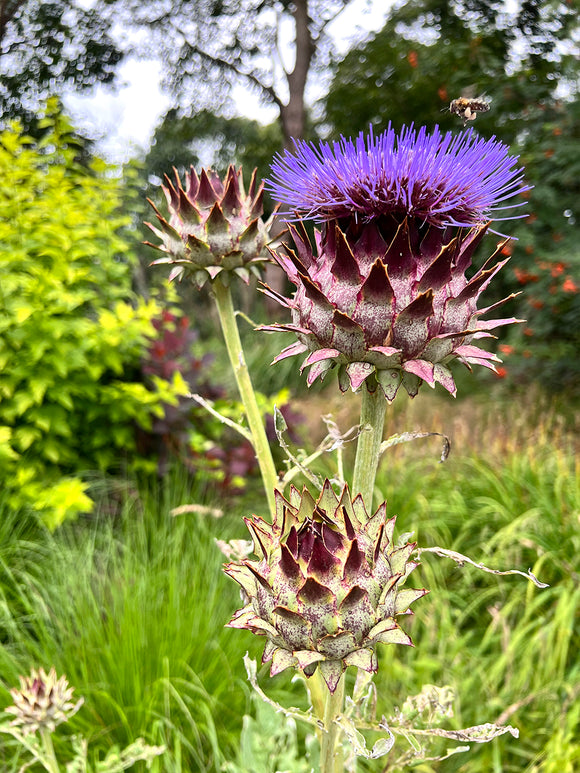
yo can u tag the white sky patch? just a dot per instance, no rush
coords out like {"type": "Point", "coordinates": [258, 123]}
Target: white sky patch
{"type": "Point", "coordinates": [122, 120]}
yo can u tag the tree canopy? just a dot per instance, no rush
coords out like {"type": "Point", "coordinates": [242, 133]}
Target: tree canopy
{"type": "Point", "coordinates": [209, 46]}
{"type": "Point", "coordinates": [182, 141]}
{"type": "Point", "coordinates": [48, 46]}
{"type": "Point", "coordinates": [432, 51]}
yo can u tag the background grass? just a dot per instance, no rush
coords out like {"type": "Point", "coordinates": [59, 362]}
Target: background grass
{"type": "Point", "coordinates": [131, 603]}
{"type": "Point", "coordinates": [509, 649]}
{"type": "Point", "coordinates": [132, 607]}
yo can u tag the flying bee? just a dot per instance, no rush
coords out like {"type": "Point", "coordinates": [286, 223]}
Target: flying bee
{"type": "Point", "coordinates": [467, 108]}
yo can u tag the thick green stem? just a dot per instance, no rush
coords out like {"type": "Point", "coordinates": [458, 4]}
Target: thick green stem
{"type": "Point", "coordinates": [372, 421]}
{"type": "Point", "coordinates": [50, 763]}
{"type": "Point", "coordinates": [331, 754]}
{"type": "Point", "coordinates": [223, 299]}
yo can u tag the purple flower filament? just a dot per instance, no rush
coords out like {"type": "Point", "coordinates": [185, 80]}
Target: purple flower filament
{"type": "Point", "coordinates": [456, 180]}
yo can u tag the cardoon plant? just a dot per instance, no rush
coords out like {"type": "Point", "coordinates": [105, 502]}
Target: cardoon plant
{"type": "Point", "coordinates": [215, 234]}
{"type": "Point", "coordinates": [326, 588]}
{"type": "Point", "coordinates": [42, 703]}
{"type": "Point", "coordinates": [384, 297]}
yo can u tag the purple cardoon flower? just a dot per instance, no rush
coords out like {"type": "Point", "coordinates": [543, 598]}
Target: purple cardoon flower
{"type": "Point", "coordinates": [441, 179]}
{"type": "Point", "coordinates": [384, 295]}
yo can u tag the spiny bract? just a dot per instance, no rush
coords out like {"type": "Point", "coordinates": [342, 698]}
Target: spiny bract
{"type": "Point", "coordinates": [389, 300]}
{"type": "Point", "coordinates": [326, 587]}
{"type": "Point", "coordinates": [43, 701]}
{"type": "Point", "coordinates": [214, 227]}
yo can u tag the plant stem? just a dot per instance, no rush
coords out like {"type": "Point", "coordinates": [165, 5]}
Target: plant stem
{"type": "Point", "coordinates": [331, 756]}
{"type": "Point", "coordinates": [51, 763]}
{"type": "Point", "coordinates": [223, 299]}
{"type": "Point", "coordinates": [372, 421]}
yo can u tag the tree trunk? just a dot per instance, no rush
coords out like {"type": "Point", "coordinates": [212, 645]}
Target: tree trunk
{"type": "Point", "coordinates": [293, 120]}
{"type": "Point", "coordinates": [293, 114]}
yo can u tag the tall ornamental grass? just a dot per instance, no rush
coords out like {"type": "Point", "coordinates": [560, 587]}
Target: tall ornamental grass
{"type": "Point", "coordinates": [509, 650]}
{"type": "Point", "coordinates": [131, 605]}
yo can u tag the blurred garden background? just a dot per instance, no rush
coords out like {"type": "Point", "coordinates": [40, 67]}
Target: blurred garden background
{"type": "Point", "coordinates": [115, 485]}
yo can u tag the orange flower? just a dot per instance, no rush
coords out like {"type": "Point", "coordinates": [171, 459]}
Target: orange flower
{"type": "Point", "coordinates": [442, 93]}
{"type": "Point", "coordinates": [501, 372]}
{"type": "Point", "coordinates": [413, 59]}
{"type": "Point", "coordinates": [569, 285]}
{"type": "Point", "coordinates": [528, 332]}
{"type": "Point", "coordinates": [507, 249]}
{"type": "Point", "coordinates": [556, 131]}
{"type": "Point", "coordinates": [535, 303]}
{"type": "Point", "coordinates": [506, 349]}
{"type": "Point", "coordinates": [549, 153]}
{"type": "Point", "coordinates": [557, 269]}
{"type": "Point", "coordinates": [524, 276]}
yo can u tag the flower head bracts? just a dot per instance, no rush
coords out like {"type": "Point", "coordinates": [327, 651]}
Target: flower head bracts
{"type": "Point", "coordinates": [326, 587]}
{"type": "Point", "coordinates": [449, 179]}
{"type": "Point", "coordinates": [43, 701]}
{"type": "Point", "coordinates": [387, 302]}
{"type": "Point", "coordinates": [214, 227]}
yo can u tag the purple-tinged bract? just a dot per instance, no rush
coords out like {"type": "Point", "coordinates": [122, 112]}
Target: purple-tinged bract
{"type": "Point", "coordinates": [214, 227]}
{"type": "Point", "coordinates": [326, 587]}
{"type": "Point", "coordinates": [384, 294]}
{"type": "Point", "coordinates": [42, 702]}
{"type": "Point", "coordinates": [452, 179]}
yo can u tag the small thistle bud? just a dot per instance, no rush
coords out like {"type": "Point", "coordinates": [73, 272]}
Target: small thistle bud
{"type": "Point", "coordinates": [385, 296]}
{"type": "Point", "coordinates": [42, 702]}
{"type": "Point", "coordinates": [214, 227]}
{"type": "Point", "coordinates": [326, 587]}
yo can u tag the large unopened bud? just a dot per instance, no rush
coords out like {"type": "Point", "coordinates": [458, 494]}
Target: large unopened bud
{"type": "Point", "coordinates": [214, 227]}
{"type": "Point", "coordinates": [326, 587]}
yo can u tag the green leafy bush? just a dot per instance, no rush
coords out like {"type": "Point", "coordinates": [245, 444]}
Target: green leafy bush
{"type": "Point", "coordinates": [71, 331]}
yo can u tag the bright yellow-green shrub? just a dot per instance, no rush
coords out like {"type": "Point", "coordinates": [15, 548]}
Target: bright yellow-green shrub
{"type": "Point", "coordinates": [72, 333]}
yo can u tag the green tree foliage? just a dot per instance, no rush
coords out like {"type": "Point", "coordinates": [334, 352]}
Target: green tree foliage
{"type": "Point", "coordinates": [205, 139]}
{"type": "Point", "coordinates": [525, 60]}
{"type": "Point", "coordinates": [71, 332]}
{"type": "Point", "coordinates": [48, 46]}
{"type": "Point", "coordinates": [432, 51]}
{"type": "Point", "coordinates": [546, 257]}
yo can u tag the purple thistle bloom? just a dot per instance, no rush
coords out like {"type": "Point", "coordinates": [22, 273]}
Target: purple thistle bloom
{"type": "Point", "coordinates": [384, 297]}
{"type": "Point", "coordinates": [448, 179]}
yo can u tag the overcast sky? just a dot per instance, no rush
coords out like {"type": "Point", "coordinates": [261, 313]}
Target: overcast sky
{"type": "Point", "coordinates": [123, 119]}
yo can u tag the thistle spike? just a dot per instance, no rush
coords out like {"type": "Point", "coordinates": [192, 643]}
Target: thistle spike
{"type": "Point", "coordinates": [213, 229]}
{"type": "Point", "coordinates": [327, 589]}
